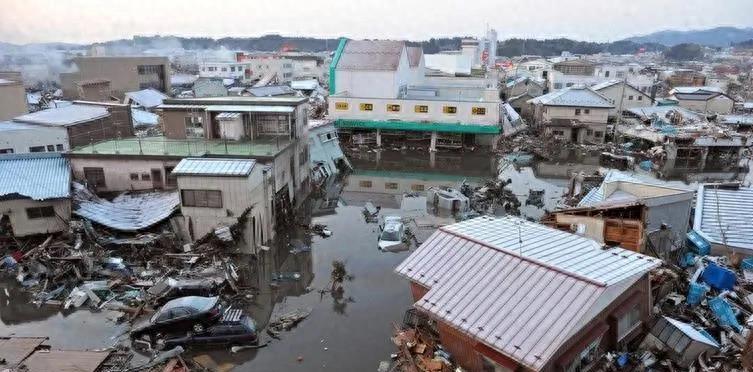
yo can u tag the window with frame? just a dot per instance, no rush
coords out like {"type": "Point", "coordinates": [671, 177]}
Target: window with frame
{"type": "Point", "coordinates": [201, 198]}
{"type": "Point", "coordinates": [40, 212]}
{"type": "Point", "coordinates": [366, 184]}
{"type": "Point", "coordinates": [95, 176]}
{"type": "Point", "coordinates": [194, 127]}
{"type": "Point", "coordinates": [586, 357]}
{"type": "Point", "coordinates": [36, 149]}
{"type": "Point", "coordinates": [341, 105]}
{"type": "Point", "coordinates": [599, 133]}
{"type": "Point", "coordinates": [589, 132]}
{"type": "Point", "coordinates": [390, 185]}
{"type": "Point", "coordinates": [417, 187]}
{"type": "Point", "coordinates": [366, 107]}
{"type": "Point", "coordinates": [478, 110]}
{"type": "Point", "coordinates": [586, 111]}
{"type": "Point", "coordinates": [630, 98]}
{"type": "Point", "coordinates": [146, 177]}
{"type": "Point", "coordinates": [628, 321]}
{"type": "Point", "coordinates": [172, 180]}
{"type": "Point", "coordinates": [569, 85]}
{"type": "Point", "coordinates": [640, 98]}
{"type": "Point", "coordinates": [6, 151]}
{"type": "Point", "coordinates": [134, 176]}
{"type": "Point", "coordinates": [450, 109]}
{"type": "Point", "coordinates": [393, 108]}
{"type": "Point", "coordinates": [557, 85]}
{"type": "Point", "coordinates": [577, 111]}
{"type": "Point", "coordinates": [50, 148]}
{"type": "Point", "coordinates": [421, 109]}
{"type": "Point", "coordinates": [59, 147]}
{"type": "Point", "coordinates": [558, 133]}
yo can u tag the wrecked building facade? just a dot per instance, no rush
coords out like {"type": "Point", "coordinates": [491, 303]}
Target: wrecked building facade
{"type": "Point", "coordinates": [217, 192]}
{"type": "Point", "coordinates": [577, 114]}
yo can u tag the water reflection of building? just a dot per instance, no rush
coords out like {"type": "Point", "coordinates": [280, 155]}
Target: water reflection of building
{"type": "Point", "coordinates": [395, 173]}
{"type": "Point", "coordinates": [16, 306]}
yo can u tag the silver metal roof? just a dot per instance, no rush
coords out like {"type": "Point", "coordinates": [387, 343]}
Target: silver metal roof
{"type": "Point", "coordinates": [228, 115]}
{"type": "Point", "coordinates": [38, 176]}
{"type": "Point", "coordinates": [127, 212]}
{"type": "Point", "coordinates": [244, 108]}
{"type": "Point", "coordinates": [725, 214]}
{"type": "Point", "coordinates": [65, 116]}
{"type": "Point", "coordinates": [606, 195]}
{"type": "Point", "coordinates": [575, 96]}
{"type": "Point", "coordinates": [214, 167]}
{"type": "Point", "coordinates": [148, 98]}
{"type": "Point", "coordinates": [521, 288]}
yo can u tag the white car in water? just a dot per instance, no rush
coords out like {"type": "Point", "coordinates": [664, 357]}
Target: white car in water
{"type": "Point", "coordinates": [392, 233]}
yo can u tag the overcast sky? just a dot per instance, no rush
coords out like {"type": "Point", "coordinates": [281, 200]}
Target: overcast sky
{"type": "Point", "coordinates": [83, 21]}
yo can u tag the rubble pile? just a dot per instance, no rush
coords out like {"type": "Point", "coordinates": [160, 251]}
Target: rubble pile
{"type": "Point", "coordinates": [418, 349]}
{"type": "Point", "coordinates": [703, 316]}
{"type": "Point", "coordinates": [545, 147]}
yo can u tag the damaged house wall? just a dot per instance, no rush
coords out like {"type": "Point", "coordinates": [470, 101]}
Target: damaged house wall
{"type": "Point", "coordinates": [23, 225]}
{"type": "Point", "coordinates": [238, 194]}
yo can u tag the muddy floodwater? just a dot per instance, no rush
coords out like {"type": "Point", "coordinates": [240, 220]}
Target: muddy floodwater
{"type": "Point", "coordinates": [349, 332]}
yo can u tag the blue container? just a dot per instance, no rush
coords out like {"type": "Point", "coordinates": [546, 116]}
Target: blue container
{"type": "Point", "coordinates": [696, 292]}
{"type": "Point", "coordinates": [747, 264]}
{"type": "Point", "coordinates": [718, 277]}
{"type": "Point", "coordinates": [724, 313]}
{"type": "Point", "coordinates": [688, 259]}
{"type": "Point", "coordinates": [698, 243]}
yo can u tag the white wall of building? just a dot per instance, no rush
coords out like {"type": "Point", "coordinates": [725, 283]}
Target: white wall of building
{"type": "Point", "coordinates": [719, 105]}
{"type": "Point", "coordinates": [22, 225]}
{"type": "Point", "coordinates": [262, 65]}
{"type": "Point", "coordinates": [408, 113]}
{"type": "Point", "coordinates": [630, 97]}
{"type": "Point", "coordinates": [224, 70]}
{"type": "Point", "coordinates": [20, 141]}
{"type": "Point", "coordinates": [594, 115]}
{"type": "Point", "coordinates": [376, 83]}
{"type": "Point", "coordinates": [118, 171]}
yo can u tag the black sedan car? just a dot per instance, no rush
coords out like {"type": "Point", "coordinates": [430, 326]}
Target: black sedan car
{"type": "Point", "coordinates": [186, 314]}
{"type": "Point", "coordinates": [228, 332]}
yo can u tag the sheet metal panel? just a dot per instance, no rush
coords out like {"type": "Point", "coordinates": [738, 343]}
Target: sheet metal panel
{"type": "Point", "coordinates": [523, 299]}
{"type": "Point", "coordinates": [725, 214]}
{"type": "Point", "coordinates": [214, 167]}
{"type": "Point", "coordinates": [128, 212]}
{"type": "Point", "coordinates": [38, 176]}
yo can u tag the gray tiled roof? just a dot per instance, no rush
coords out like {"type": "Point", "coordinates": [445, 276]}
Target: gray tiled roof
{"type": "Point", "coordinates": [575, 96]}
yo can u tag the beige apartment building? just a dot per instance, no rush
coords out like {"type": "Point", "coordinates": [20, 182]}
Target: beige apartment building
{"type": "Point", "coordinates": [125, 74]}
{"type": "Point", "coordinates": [12, 95]}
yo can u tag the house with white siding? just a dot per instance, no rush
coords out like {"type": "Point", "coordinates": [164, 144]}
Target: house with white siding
{"type": "Point", "coordinates": [34, 193]}
{"type": "Point", "coordinates": [217, 192]}
{"type": "Point", "coordinates": [622, 95]}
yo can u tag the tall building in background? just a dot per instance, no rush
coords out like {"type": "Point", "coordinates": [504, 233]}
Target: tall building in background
{"type": "Point", "coordinates": [125, 74]}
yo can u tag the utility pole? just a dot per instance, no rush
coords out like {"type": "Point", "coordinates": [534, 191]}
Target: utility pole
{"type": "Point", "coordinates": [619, 110]}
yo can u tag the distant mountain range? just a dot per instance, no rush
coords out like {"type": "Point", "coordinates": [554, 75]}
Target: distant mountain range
{"type": "Point", "coordinates": [715, 37]}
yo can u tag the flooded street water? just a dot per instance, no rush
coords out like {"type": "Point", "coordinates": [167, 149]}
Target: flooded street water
{"type": "Point", "coordinates": [347, 333]}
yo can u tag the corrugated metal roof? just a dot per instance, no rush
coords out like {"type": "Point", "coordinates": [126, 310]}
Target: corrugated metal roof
{"type": "Point", "coordinates": [645, 112]}
{"type": "Point", "coordinates": [65, 116]}
{"type": "Point", "coordinates": [249, 108]}
{"type": "Point", "coordinates": [725, 214]}
{"type": "Point", "coordinates": [147, 98]}
{"type": "Point", "coordinates": [271, 91]}
{"type": "Point", "coordinates": [575, 96]}
{"type": "Point", "coordinates": [371, 55]}
{"type": "Point", "coordinates": [12, 126]}
{"type": "Point", "coordinates": [691, 90]}
{"type": "Point", "coordinates": [610, 195]}
{"type": "Point", "coordinates": [38, 176]}
{"type": "Point", "coordinates": [127, 212]}
{"type": "Point", "coordinates": [519, 287]}
{"type": "Point", "coordinates": [214, 167]}
{"type": "Point", "coordinates": [688, 330]}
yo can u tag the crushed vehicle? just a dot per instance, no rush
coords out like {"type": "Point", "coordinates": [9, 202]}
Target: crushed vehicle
{"type": "Point", "coordinates": [392, 232]}
{"type": "Point", "coordinates": [186, 314]}
{"type": "Point", "coordinates": [170, 289]}
{"type": "Point", "coordinates": [234, 329]}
